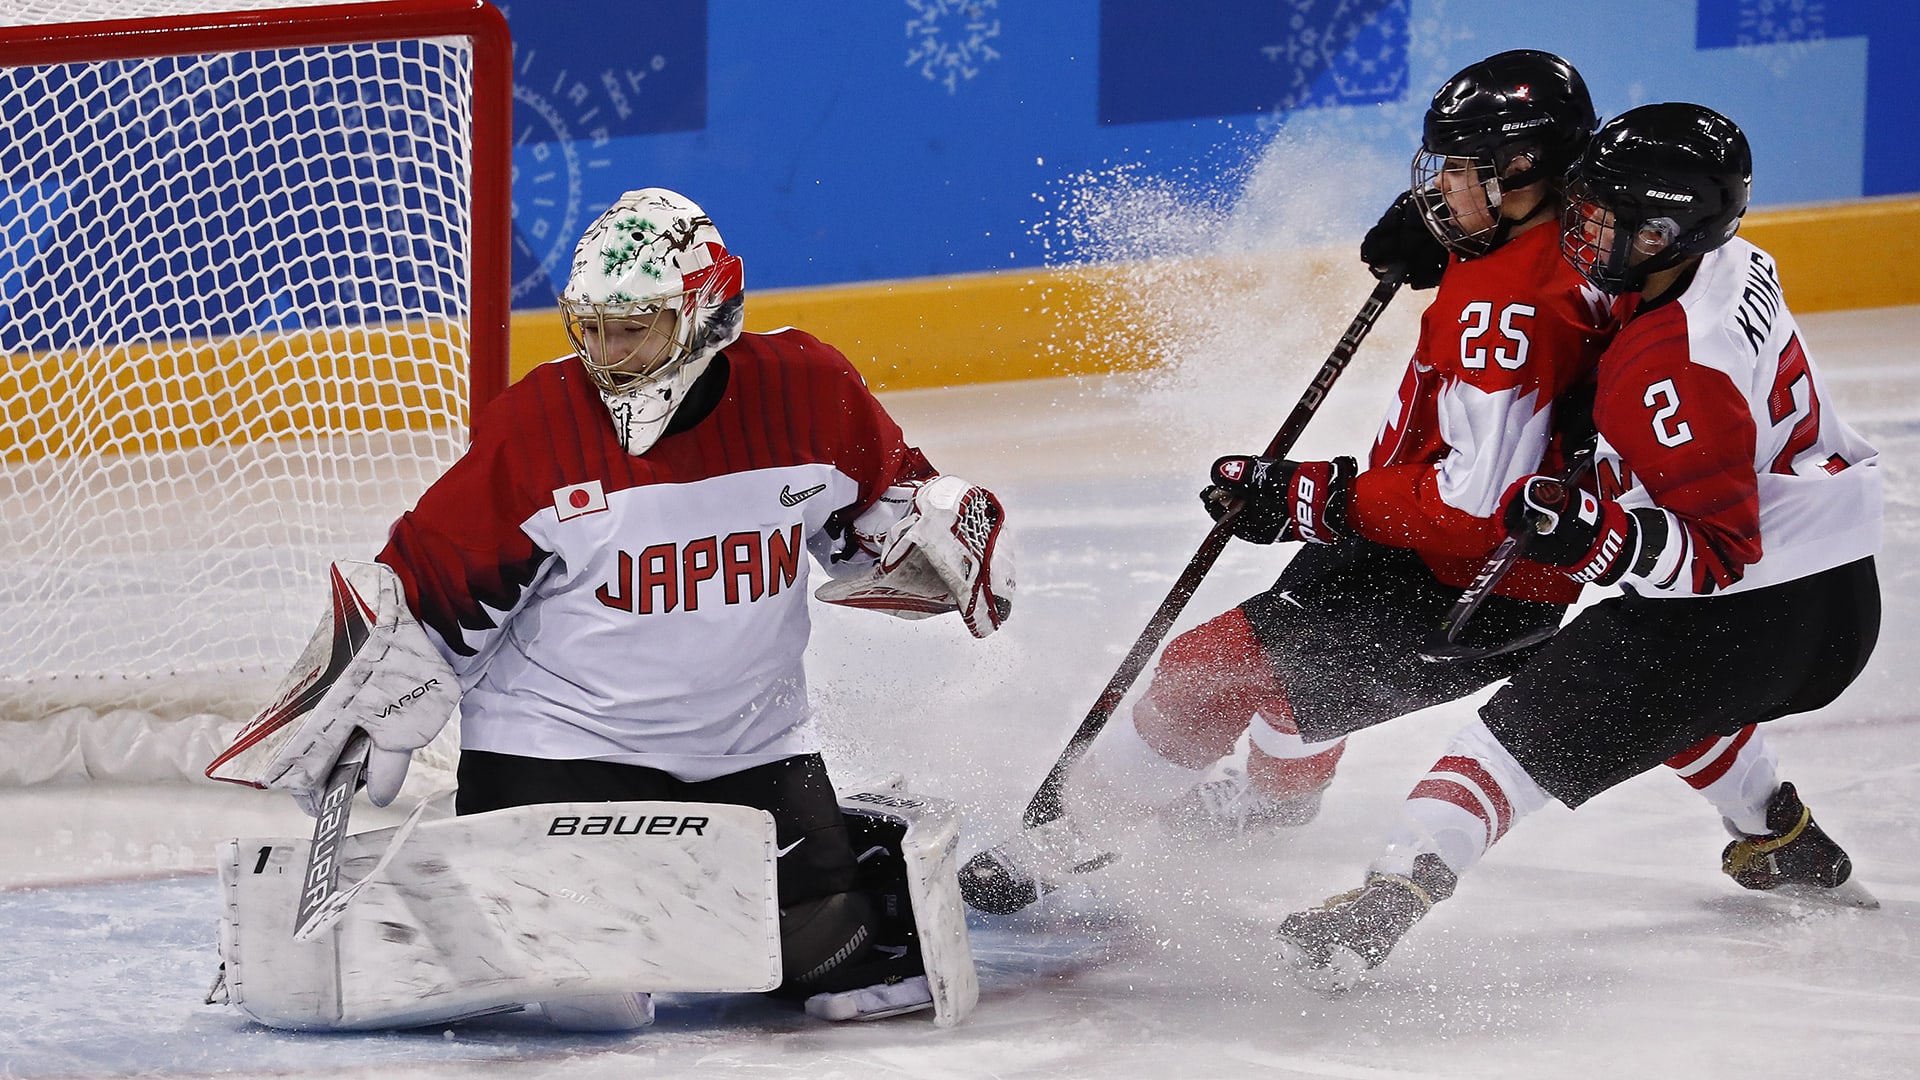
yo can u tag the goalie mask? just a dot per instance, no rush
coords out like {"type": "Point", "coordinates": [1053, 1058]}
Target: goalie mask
{"type": "Point", "coordinates": [1510, 121]}
{"type": "Point", "coordinates": [652, 298]}
{"type": "Point", "coordinates": [1660, 184]}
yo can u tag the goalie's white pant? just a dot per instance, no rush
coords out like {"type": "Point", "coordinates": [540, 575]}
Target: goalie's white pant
{"type": "Point", "coordinates": [458, 917]}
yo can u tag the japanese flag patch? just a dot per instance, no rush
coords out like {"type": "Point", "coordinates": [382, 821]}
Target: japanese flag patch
{"type": "Point", "coordinates": [577, 500]}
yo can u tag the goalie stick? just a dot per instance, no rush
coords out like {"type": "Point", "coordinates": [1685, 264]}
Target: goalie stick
{"type": "Point", "coordinates": [327, 911]}
{"type": "Point", "coordinates": [1045, 805]}
{"type": "Point", "coordinates": [322, 878]}
{"type": "Point", "coordinates": [1443, 645]}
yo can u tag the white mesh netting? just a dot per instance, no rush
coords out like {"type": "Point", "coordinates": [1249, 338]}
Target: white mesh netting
{"type": "Point", "coordinates": [234, 310]}
{"type": "Point", "coordinates": [45, 12]}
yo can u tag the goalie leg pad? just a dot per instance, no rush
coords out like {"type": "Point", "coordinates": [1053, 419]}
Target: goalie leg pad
{"type": "Point", "coordinates": [600, 1012]}
{"type": "Point", "coordinates": [490, 911]}
{"type": "Point", "coordinates": [909, 850]}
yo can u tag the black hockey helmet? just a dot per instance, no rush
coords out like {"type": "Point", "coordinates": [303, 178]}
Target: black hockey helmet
{"type": "Point", "coordinates": [1523, 104]}
{"type": "Point", "coordinates": [1660, 184]}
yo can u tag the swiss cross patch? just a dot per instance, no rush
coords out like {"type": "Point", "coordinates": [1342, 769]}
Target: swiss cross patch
{"type": "Point", "coordinates": [1233, 469]}
{"type": "Point", "coordinates": [575, 500]}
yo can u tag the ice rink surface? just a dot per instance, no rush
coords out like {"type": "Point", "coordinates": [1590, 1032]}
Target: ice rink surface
{"type": "Point", "coordinates": [1603, 943]}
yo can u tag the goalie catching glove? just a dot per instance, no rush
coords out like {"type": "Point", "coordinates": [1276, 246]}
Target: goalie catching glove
{"type": "Point", "coordinates": [948, 552]}
{"type": "Point", "coordinates": [369, 667]}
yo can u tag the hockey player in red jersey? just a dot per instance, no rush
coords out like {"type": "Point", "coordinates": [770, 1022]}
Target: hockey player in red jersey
{"type": "Point", "coordinates": [1737, 511]}
{"type": "Point", "coordinates": [615, 575]}
{"type": "Point", "coordinates": [1510, 338]}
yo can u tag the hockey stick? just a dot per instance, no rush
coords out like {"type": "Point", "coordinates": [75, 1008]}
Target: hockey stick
{"type": "Point", "coordinates": [322, 879]}
{"type": "Point", "coordinates": [1443, 645]}
{"type": "Point", "coordinates": [328, 911]}
{"type": "Point", "coordinates": [1045, 805]}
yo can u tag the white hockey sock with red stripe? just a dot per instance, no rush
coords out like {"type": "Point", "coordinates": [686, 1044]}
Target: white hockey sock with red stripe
{"type": "Point", "coordinates": [1738, 774]}
{"type": "Point", "coordinates": [1281, 763]}
{"type": "Point", "coordinates": [1468, 800]}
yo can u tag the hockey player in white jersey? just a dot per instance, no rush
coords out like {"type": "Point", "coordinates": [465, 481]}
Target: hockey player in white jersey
{"type": "Point", "coordinates": [1740, 516]}
{"type": "Point", "coordinates": [613, 583]}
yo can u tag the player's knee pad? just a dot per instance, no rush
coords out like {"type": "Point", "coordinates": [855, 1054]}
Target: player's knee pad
{"type": "Point", "coordinates": [1209, 683]}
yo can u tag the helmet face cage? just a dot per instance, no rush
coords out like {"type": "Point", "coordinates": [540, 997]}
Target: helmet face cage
{"type": "Point", "coordinates": [1660, 184]}
{"type": "Point", "coordinates": [1599, 243]}
{"type": "Point", "coordinates": [1460, 199]}
{"type": "Point", "coordinates": [607, 337]}
{"type": "Point", "coordinates": [652, 267]}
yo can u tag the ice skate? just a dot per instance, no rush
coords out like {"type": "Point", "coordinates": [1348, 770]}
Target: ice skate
{"type": "Point", "coordinates": [1227, 804]}
{"type": "Point", "coordinates": [1333, 946]}
{"type": "Point", "coordinates": [874, 1002]}
{"type": "Point", "coordinates": [1028, 865]}
{"type": "Point", "coordinates": [1796, 858]}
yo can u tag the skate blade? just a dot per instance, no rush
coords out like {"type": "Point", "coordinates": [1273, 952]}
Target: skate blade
{"type": "Point", "coordinates": [1343, 970]}
{"type": "Point", "coordinates": [1849, 894]}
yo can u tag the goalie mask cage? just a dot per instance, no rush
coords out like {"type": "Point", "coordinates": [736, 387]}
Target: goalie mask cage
{"type": "Point", "coordinates": [254, 277]}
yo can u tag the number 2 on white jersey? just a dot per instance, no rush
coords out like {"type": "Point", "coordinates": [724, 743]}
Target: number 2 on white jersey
{"type": "Point", "coordinates": [1792, 400]}
{"type": "Point", "coordinates": [1478, 317]}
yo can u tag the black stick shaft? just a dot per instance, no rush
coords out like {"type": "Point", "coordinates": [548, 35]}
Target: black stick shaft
{"type": "Point", "coordinates": [330, 828]}
{"type": "Point", "coordinates": [1476, 593]}
{"type": "Point", "coordinates": [1045, 805]}
{"type": "Point", "coordinates": [1443, 643]}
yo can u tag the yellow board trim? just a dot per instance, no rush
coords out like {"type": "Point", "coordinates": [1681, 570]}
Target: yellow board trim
{"type": "Point", "coordinates": [1858, 254]}
{"type": "Point", "coordinates": [1034, 324]}
{"type": "Point", "coordinates": [918, 333]}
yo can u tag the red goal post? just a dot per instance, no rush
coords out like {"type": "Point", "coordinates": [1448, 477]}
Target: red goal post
{"type": "Point", "coordinates": [254, 280]}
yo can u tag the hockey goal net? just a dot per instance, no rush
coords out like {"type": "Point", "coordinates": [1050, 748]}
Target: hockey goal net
{"type": "Point", "coordinates": [253, 279]}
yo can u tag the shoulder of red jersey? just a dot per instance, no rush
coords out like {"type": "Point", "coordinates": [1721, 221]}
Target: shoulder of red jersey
{"type": "Point", "coordinates": [553, 392]}
{"type": "Point", "coordinates": [793, 349]}
{"type": "Point", "coordinates": [1527, 270]}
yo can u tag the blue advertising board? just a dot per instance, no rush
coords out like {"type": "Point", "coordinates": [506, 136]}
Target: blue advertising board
{"type": "Point", "coordinates": [895, 139]}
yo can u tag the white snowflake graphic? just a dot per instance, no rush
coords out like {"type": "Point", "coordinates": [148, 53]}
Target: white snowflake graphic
{"type": "Point", "coordinates": [1778, 33]}
{"type": "Point", "coordinates": [950, 40]}
{"type": "Point", "coordinates": [1774, 22]}
{"type": "Point", "coordinates": [1351, 43]}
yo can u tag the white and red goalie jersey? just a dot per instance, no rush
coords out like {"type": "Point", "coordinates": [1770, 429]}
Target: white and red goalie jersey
{"type": "Point", "coordinates": [649, 610]}
{"type": "Point", "coordinates": [1710, 410]}
{"type": "Point", "coordinates": [1506, 335]}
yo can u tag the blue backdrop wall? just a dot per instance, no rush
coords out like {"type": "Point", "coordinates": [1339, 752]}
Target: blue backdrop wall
{"type": "Point", "coordinates": [885, 139]}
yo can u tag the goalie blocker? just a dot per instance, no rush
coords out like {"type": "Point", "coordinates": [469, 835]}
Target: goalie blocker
{"type": "Point", "coordinates": [583, 907]}
{"type": "Point", "coordinates": [368, 667]}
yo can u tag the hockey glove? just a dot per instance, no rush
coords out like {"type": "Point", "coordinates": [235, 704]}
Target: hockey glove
{"type": "Point", "coordinates": [1594, 540]}
{"type": "Point", "coordinates": [1401, 241]}
{"type": "Point", "coordinates": [369, 667]}
{"type": "Point", "coordinates": [1283, 500]}
{"type": "Point", "coordinates": [950, 552]}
